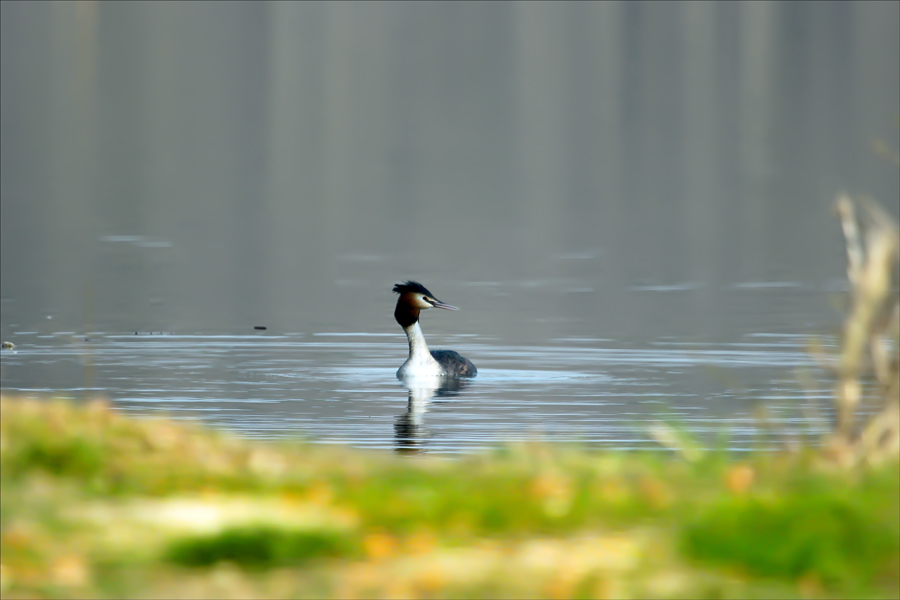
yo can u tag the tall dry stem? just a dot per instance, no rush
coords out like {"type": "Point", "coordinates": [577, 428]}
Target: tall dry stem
{"type": "Point", "coordinates": [870, 336]}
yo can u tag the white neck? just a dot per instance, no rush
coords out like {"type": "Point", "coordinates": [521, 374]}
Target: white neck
{"type": "Point", "coordinates": [416, 339]}
{"type": "Point", "coordinates": [420, 362]}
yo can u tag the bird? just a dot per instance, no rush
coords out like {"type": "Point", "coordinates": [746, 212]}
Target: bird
{"type": "Point", "coordinates": [422, 363]}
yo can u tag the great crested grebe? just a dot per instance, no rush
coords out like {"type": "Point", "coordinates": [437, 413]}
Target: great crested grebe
{"type": "Point", "coordinates": [422, 363]}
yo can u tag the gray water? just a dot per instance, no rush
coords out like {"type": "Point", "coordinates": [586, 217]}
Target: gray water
{"type": "Point", "coordinates": [337, 387]}
{"type": "Point", "coordinates": [630, 202]}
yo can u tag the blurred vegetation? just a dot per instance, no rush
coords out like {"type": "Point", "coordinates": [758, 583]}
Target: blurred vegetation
{"type": "Point", "coordinates": [96, 504]}
{"type": "Point", "coordinates": [869, 355]}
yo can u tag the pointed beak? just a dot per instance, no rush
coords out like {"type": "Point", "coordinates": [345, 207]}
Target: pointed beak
{"type": "Point", "coordinates": [439, 304]}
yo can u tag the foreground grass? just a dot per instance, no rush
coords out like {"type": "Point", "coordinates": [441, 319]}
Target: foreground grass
{"type": "Point", "coordinates": [95, 504]}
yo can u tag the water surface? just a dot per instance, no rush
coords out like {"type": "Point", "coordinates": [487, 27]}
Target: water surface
{"type": "Point", "coordinates": [630, 202]}
{"type": "Point", "coordinates": [342, 388]}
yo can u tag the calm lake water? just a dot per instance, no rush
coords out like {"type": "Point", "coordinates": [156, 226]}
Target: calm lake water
{"type": "Point", "coordinates": [340, 387]}
{"type": "Point", "coordinates": [630, 202]}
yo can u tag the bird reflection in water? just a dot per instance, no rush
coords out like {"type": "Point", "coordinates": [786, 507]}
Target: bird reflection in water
{"type": "Point", "coordinates": [410, 432]}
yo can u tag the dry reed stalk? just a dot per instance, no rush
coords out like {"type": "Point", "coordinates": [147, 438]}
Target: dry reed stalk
{"type": "Point", "coordinates": [870, 337]}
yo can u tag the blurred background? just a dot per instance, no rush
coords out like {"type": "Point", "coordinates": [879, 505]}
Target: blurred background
{"type": "Point", "coordinates": [631, 203]}
{"type": "Point", "coordinates": [631, 170]}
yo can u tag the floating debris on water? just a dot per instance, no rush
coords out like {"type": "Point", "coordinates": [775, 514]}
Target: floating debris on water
{"type": "Point", "coordinates": [8, 345]}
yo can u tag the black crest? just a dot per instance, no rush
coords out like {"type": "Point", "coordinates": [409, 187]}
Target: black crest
{"type": "Point", "coordinates": [412, 286]}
